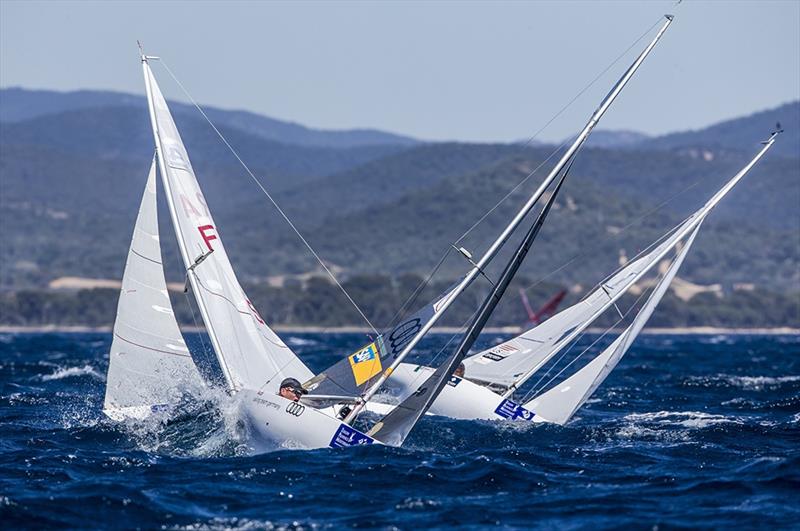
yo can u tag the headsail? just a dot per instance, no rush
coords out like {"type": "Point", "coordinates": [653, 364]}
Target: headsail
{"type": "Point", "coordinates": [149, 365]}
{"type": "Point", "coordinates": [510, 364]}
{"type": "Point", "coordinates": [560, 403]}
{"type": "Point", "coordinates": [251, 355]}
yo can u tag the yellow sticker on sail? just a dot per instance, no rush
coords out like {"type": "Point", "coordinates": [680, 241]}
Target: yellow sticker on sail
{"type": "Point", "coordinates": [365, 363]}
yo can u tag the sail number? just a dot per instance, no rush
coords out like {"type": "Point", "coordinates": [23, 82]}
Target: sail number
{"type": "Point", "coordinates": [206, 232]}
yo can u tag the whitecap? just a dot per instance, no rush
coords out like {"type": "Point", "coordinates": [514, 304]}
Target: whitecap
{"type": "Point", "coordinates": [69, 372]}
{"type": "Point", "coordinates": [300, 342]}
{"type": "Point", "coordinates": [686, 419]}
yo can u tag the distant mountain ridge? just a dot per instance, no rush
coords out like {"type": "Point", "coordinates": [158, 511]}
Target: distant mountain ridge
{"type": "Point", "coordinates": [71, 177]}
{"type": "Point", "coordinates": [739, 133]}
{"type": "Point", "coordinates": [19, 104]}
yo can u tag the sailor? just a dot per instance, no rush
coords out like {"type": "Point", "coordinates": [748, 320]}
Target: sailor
{"type": "Point", "coordinates": [291, 389]}
{"type": "Point", "coordinates": [459, 370]}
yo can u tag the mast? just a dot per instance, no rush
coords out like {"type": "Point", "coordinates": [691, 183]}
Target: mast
{"type": "Point", "coordinates": [175, 222]}
{"type": "Point", "coordinates": [501, 239]}
{"type": "Point", "coordinates": [700, 215]}
{"type": "Point", "coordinates": [394, 427]}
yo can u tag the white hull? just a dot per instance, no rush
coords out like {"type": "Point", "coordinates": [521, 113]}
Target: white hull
{"type": "Point", "coordinates": [460, 398]}
{"type": "Point", "coordinates": [276, 422]}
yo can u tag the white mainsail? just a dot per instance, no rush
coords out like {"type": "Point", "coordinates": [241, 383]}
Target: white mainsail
{"type": "Point", "coordinates": [250, 354]}
{"type": "Point", "coordinates": [149, 365]}
{"type": "Point", "coordinates": [559, 404]}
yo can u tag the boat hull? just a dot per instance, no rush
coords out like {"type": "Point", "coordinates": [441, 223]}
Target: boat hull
{"type": "Point", "coordinates": [275, 422]}
{"type": "Point", "coordinates": [460, 398]}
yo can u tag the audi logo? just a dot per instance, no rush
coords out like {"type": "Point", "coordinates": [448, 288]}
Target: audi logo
{"type": "Point", "coordinates": [402, 334]}
{"type": "Point", "coordinates": [295, 409]}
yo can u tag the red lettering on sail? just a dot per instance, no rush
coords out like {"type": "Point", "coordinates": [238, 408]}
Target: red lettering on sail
{"type": "Point", "coordinates": [207, 237]}
{"type": "Point", "coordinates": [202, 201]}
{"type": "Point", "coordinates": [255, 312]}
{"type": "Point", "coordinates": [188, 207]}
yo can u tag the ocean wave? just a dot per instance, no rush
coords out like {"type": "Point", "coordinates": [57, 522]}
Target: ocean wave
{"type": "Point", "coordinates": [749, 383]}
{"type": "Point", "coordinates": [300, 342]}
{"type": "Point", "coordinates": [759, 382]}
{"type": "Point", "coordinates": [71, 372]}
{"type": "Point", "coordinates": [686, 419]}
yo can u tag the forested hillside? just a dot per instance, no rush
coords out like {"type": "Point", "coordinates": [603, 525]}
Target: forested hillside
{"type": "Point", "coordinates": [72, 168]}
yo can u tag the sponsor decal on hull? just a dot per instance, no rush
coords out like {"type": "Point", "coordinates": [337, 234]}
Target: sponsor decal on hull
{"type": "Point", "coordinates": [348, 436]}
{"type": "Point", "coordinates": [510, 410]}
{"type": "Point", "coordinates": [295, 409]}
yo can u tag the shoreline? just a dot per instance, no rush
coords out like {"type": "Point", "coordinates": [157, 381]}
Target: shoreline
{"type": "Point", "coordinates": [683, 330]}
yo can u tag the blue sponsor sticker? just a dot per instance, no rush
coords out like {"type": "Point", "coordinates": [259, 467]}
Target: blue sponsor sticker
{"type": "Point", "coordinates": [454, 381]}
{"type": "Point", "coordinates": [348, 436]}
{"type": "Point", "coordinates": [510, 410]}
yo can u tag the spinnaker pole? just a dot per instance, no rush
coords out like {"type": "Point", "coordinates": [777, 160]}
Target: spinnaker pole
{"type": "Point", "coordinates": [526, 208]}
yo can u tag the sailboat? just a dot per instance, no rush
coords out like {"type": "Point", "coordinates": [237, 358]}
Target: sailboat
{"type": "Point", "coordinates": [251, 357]}
{"type": "Point", "coordinates": [492, 376]}
{"type": "Point", "coordinates": [150, 366]}
{"type": "Point", "coordinates": [362, 377]}
{"type": "Point", "coordinates": [548, 309]}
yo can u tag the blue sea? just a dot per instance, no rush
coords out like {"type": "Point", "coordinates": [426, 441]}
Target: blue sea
{"type": "Point", "coordinates": [688, 432]}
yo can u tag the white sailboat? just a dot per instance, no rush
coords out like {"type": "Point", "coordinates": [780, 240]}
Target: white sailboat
{"type": "Point", "coordinates": [150, 367]}
{"type": "Point", "coordinates": [363, 379]}
{"type": "Point", "coordinates": [495, 374]}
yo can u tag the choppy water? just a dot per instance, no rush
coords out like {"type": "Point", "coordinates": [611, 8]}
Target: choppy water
{"type": "Point", "coordinates": [687, 432]}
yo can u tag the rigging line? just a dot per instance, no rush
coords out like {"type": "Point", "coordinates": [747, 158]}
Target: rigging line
{"type": "Point", "coordinates": [547, 124]}
{"type": "Point", "coordinates": [269, 196]}
{"type": "Point", "coordinates": [513, 190]}
{"type": "Point", "coordinates": [418, 290]}
{"type": "Point", "coordinates": [592, 82]}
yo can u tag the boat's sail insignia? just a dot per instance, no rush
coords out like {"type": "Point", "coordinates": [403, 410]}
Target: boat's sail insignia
{"type": "Point", "coordinates": [250, 354]}
{"type": "Point", "coordinates": [352, 375]}
{"type": "Point", "coordinates": [149, 363]}
{"type": "Point", "coordinates": [560, 403]}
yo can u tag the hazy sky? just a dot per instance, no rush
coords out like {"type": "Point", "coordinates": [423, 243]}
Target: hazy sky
{"type": "Point", "coordinates": [449, 70]}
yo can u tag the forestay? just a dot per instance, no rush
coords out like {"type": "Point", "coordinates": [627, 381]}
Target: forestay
{"type": "Point", "coordinates": [250, 354]}
{"type": "Point", "coordinates": [149, 366]}
{"type": "Point", "coordinates": [560, 403]}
